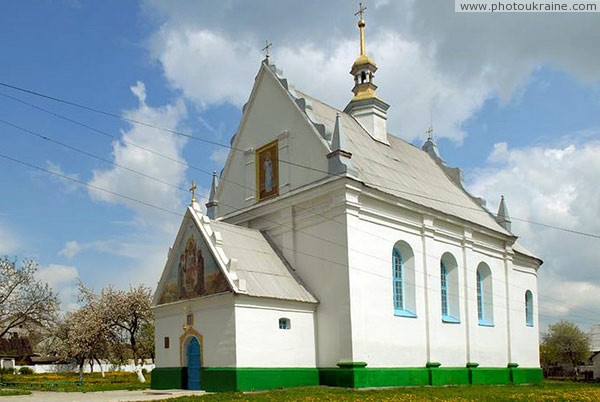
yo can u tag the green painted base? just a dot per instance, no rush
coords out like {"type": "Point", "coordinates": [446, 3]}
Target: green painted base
{"type": "Point", "coordinates": [236, 379]}
{"type": "Point", "coordinates": [349, 376]}
{"type": "Point", "coordinates": [169, 378]}
{"type": "Point", "coordinates": [250, 379]}
{"type": "Point", "coordinates": [526, 375]}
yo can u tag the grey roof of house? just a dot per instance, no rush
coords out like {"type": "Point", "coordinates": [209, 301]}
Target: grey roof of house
{"type": "Point", "coordinates": [264, 269]}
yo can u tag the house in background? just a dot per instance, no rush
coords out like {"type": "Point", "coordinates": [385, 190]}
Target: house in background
{"type": "Point", "coordinates": [335, 253]}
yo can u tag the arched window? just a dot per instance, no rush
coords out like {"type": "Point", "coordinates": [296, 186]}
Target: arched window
{"type": "Point", "coordinates": [529, 308]}
{"type": "Point", "coordinates": [398, 280]}
{"type": "Point", "coordinates": [284, 323]}
{"type": "Point", "coordinates": [485, 311]}
{"type": "Point", "coordinates": [403, 280]}
{"type": "Point", "coordinates": [444, 278]}
{"type": "Point", "coordinates": [449, 289]}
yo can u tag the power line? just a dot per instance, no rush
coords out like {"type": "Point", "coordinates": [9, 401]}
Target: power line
{"type": "Point", "coordinates": [426, 288]}
{"type": "Point", "coordinates": [62, 176]}
{"type": "Point", "coordinates": [46, 138]}
{"type": "Point", "coordinates": [175, 132]}
{"type": "Point", "coordinates": [180, 188]}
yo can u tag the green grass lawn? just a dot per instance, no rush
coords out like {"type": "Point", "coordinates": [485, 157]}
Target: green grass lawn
{"type": "Point", "coordinates": [549, 391]}
{"type": "Point", "coordinates": [69, 382]}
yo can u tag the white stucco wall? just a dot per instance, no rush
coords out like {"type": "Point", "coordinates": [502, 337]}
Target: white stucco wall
{"type": "Point", "coordinates": [269, 115]}
{"type": "Point", "coordinates": [214, 319]}
{"type": "Point", "coordinates": [488, 344]}
{"type": "Point", "coordinates": [261, 343]}
{"type": "Point", "coordinates": [311, 235]}
{"type": "Point", "coordinates": [384, 340]}
{"type": "Point", "coordinates": [379, 337]}
{"type": "Point", "coordinates": [524, 339]}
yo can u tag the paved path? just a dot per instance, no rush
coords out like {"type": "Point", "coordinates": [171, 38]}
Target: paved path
{"type": "Point", "coordinates": [107, 396]}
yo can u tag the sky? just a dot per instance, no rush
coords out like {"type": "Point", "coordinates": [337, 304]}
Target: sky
{"type": "Point", "coordinates": [514, 100]}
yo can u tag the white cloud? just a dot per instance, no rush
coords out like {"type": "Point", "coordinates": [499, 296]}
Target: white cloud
{"type": "Point", "coordinates": [60, 176]}
{"type": "Point", "coordinates": [161, 191]}
{"type": "Point", "coordinates": [189, 62]}
{"type": "Point", "coordinates": [205, 66]}
{"type": "Point", "coordinates": [432, 60]}
{"type": "Point", "coordinates": [71, 249]}
{"type": "Point", "coordinates": [62, 279]}
{"type": "Point", "coordinates": [555, 185]}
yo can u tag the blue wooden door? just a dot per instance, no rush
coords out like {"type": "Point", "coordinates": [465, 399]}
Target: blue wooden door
{"type": "Point", "coordinates": [193, 357]}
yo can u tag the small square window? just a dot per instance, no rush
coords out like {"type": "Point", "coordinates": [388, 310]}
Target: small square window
{"type": "Point", "coordinates": [190, 319]}
{"type": "Point", "coordinates": [166, 342]}
{"type": "Point", "coordinates": [284, 323]}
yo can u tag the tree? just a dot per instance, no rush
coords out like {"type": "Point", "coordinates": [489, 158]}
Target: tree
{"type": "Point", "coordinates": [23, 298]}
{"type": "Point", "coordinates": [83, 335]}
{"type": "Point", "coordinates": [146, 341]}
{"type": "Point", "coordinates": [128, 314]}
{"type": "Point", "coordinates": [565, 343]}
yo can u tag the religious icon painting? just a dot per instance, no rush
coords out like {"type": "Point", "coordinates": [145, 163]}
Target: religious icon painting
{"type": "Point", "coordinates": [193, 272]}
{"type": "Point", "coordinates": [267, 171]}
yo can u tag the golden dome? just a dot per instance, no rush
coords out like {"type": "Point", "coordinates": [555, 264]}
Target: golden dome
{"type": "Point", "coordinates": [362, 60]}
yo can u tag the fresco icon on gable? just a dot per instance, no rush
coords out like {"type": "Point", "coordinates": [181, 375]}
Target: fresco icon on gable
{"type": "Point", "coordinates": [267, 171]}
{"type": "Point", "coordinates": [190, 272]}
{"type": "Point", "coordinates": [195, 274]}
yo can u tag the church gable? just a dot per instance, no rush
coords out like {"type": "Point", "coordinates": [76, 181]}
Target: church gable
{"type": "Point", "coordinates": [211, 257]}
{"type": "Point", "coordinates": [274, 139]}
{"type": "Point", "coordinates": [191, 269]}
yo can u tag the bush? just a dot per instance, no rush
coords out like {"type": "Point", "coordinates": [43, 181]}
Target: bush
{"type": "Point", "coordinates": [144, 371]}
{"type": "Point", "coordinates": [25, 370]}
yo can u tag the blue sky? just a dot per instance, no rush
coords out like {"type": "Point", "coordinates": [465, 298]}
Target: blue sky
{"type": "Point", "coordinates": [514, 99]}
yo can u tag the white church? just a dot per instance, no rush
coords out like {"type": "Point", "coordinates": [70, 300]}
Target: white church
{"type": "Point", "coordinates": [335, 253]}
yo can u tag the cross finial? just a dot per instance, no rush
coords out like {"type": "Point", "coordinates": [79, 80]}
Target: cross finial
{"type": "Point", "coordinates": [193, 191]}
{"type": "Point", "coordinates": [429, 132]}
{"type": "Point", "coordinates": [361, 10]}
{"type": "Point", "coordinates": [266, 49]}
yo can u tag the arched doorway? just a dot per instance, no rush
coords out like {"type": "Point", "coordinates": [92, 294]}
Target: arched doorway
{"type": "Point", "coordinates": [193, 359]}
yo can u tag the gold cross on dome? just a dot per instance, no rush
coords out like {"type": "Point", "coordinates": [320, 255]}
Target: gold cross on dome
{"type": "Point", "coordinates": [193, 191]}
{"type": "Point", "coordinates": [266, 49]}
{"type": "Point", "coordinates": [361, 10]}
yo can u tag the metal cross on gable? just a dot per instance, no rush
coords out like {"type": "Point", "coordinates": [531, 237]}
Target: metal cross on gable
{"type": "Point", "coordinates": [361, 10]}
{"type": "Point", "coordinates": [266, 49]}
{"type": "Point", "coordinates": [193, 191]}
{"type": "Point", "coordinates": [429, 133]}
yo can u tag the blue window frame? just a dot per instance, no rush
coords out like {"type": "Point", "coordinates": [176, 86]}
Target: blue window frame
{"type": "Point", "coordinates": [444, 279]}
{"type": "Point", "coordinates": [480, 314]}
{"type": "Point", "coordinates": [529, 308]}
{"type": "Point", "coordinates": [444, 282]}
{"type": "Point", "coordinates": [484, 297]}
{"type": "Point", "coordinates": [398, 283]}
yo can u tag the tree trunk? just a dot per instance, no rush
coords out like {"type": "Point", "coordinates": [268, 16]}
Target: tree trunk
{"type": "Point", "coordinates": [138, 370]}
{"type": "Point", "coordinates": [101, 367]}
{"type": "Point", "coordinates": [81, 370]}
{"type": "Point", "coordinates": [133, 347]}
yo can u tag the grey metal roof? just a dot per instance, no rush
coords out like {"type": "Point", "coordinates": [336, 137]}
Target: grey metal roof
{"type": "Point", "coordinates": [266, 273]}
{"type": "Point", "coordinates": [518, 248]}
{"type": "Point", "coordinates": [401, 169]}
